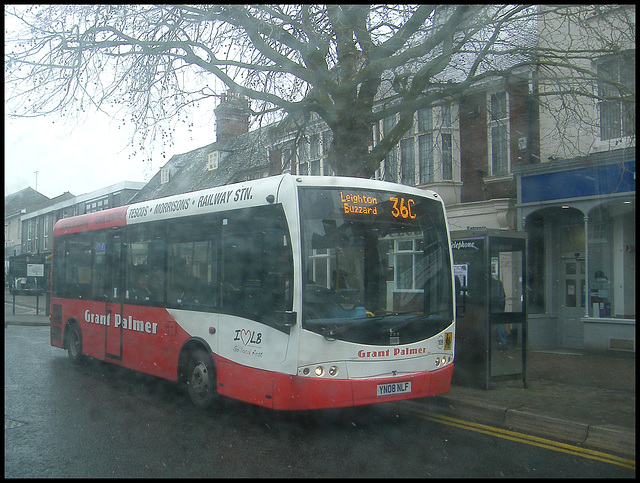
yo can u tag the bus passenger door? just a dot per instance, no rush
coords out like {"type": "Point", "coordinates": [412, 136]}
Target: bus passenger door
{"type": "Point", "coordinates": [114, 299]}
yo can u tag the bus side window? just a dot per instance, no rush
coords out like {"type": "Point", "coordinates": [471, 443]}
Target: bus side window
{"type": "Point", "coordinates": [279, 273]}
{"type": "Point", "coordinates": [76, 278]}
{"type": "Point", "coordinates": [145, 266]}
{"type": "Point", "coordinates": [100, 265]}
{"type": "Point", "coordinates": [257, 264]}
{"type": "Point", "coordinates": [192, 263]}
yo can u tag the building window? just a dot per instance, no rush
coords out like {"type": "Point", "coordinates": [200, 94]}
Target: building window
{"type": "Point", "coordinates": [498, 133]}
{"type": "Point", "coordinates": [407, 161]}
{"type": "Point", "coordinates": [30, 234]}
{"type": "Point", "coordinates": [315, 153]}
{"type": "Point", "coordinates": [407, 253]}
{"type": "Point", "coordinates": [212, 160]}
{"type": "Point", "coordinates": [425, 120]}
{"type": "Point", "coordinates": [286, 160]}
{"type": "Point", "coordinates": [314, 146]}
{"type": "Point", "coordinates": [425, 157]}
{"type": "Point", "coordinates": [447, 157]}
{"type": "Point", "coordinates": [435, 143]}
{"type": "Point", "coordinates": [322, 262]}
{"type": "Point", "coordinates": [96, 205]}
{"type": "Point", "coordinates": [303, 156]}
{"type": "Point", "coordinates": [425, 145]}
{"type": "Point", "coordinates": [391, 161]}
{"type": "Point", "coordinates": [48, 226]}
{"type": "Point", "coordinates": [391, 165]}
{"type": "Point", "coordinates": [445, 113]}
{"type": "Point", "coordinates": [315, 167]}
{"type": "Point", "coordinates": [389, 123]}
{"type": "Point", "coordinates": [164, 175]}
{"type": "Point", "coordinates": [327, 139]}
{"type": "Point", "coordinates": [616, 88]}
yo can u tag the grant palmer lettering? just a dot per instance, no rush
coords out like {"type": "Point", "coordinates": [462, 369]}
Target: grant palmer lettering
{"type": "Point", "coordinates": [126, 323]}
{"type": "Point", "coordinates": [397, 351]}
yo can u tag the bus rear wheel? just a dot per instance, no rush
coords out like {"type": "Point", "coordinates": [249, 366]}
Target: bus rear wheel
{"type": "Point", "coordinates": [201, 379]}
{"type": "Point", "coordinates": [74, 344]}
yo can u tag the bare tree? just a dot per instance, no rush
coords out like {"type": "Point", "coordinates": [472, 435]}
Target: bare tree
{"type": "Point", "coordinates": [351, 65]}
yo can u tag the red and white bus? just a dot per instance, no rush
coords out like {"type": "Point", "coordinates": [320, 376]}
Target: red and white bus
{"type": "Point", "coordinates": [290, 292]}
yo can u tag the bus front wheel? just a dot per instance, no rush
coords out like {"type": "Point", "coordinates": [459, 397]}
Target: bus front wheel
{"type": "Point", "coordinates": [74, 344]}
{"type": "Point", "coordinates": [201, 379]}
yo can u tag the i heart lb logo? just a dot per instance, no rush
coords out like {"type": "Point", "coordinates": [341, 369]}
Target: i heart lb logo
{"type": "Point", "coordinates": [245, 336]}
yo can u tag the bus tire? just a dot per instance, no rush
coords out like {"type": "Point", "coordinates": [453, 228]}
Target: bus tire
{"type": "Point", "coordinates": [201, 379]}
{"type": "Point", "coordinates": [74, 344]}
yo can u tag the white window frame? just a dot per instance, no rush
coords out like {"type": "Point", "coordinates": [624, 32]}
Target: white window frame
{"type": "Point", "coordinates": [440, 125]}
{"type": "Point", "coordinates": [407, 246]}
{"type": "Point", "coordinates": [391, 170]}
{"type": "Point", "coordinates": [45, 232]}
{"type": "Point", "coordinates": [30, 234]}
{"type": "Point", "coordinates": [315, 154]}
{"type": "Point", "coordinates": [408, 151]}
{"type": "Point", "coordinates": [302, 156]}
{"type": "Point", "coordinates": [494, 123]}
{"type": "Point", "coordinates": [599, 87]}
{"type": "Point", "coordinates": [164, 175]}
{"type": "Point", "coordinates": [326, 138]}
{"type": "Point", "coordinates": [213, 160]}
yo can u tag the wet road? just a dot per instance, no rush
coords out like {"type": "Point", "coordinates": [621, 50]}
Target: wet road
{"type": "Point", "coordinates": [97, 420]}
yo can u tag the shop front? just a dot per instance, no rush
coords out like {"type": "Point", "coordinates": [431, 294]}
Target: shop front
{"type": "Point", "coordinates": [579, 216]}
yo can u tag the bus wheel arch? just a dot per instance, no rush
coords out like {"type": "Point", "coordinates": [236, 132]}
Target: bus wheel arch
{"type": "Point", "coordinates": [73, 341]}
{"type": "Point", "coordinates": [196, 368]}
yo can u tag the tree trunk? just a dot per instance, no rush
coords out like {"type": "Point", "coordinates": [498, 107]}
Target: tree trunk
{"type": "Point", "coordinates": [349, 151]}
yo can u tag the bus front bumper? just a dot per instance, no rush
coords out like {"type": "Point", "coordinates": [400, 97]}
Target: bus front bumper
{"type": "Point", "coordinates": [288, 392]}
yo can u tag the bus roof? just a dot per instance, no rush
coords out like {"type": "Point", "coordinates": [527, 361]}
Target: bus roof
{"type": "Point", "coordinates": [221, 198]}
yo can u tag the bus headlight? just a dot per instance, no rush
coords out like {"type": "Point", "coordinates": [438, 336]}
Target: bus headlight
{"type": "Point", "coordinates": [321, 370]}
{"type": "Point", "coordinates": [442, 361]}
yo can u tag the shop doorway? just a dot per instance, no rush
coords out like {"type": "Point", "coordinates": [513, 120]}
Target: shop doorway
{"type": "Point", "coordinates": [572, 301]}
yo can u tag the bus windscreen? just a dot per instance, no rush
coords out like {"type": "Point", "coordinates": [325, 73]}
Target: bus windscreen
{"type": "Point", "coordinates": [376, 266]}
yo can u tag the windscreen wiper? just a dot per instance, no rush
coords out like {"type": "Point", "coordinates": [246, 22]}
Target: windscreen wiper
{"type": "Point", "coordinates": [411, 320]}
{"type": "Point", "coordinates": [330, 334]}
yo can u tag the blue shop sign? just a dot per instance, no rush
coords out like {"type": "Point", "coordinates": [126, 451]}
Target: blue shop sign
{"type": "Point", "coordinates": [577, 183]}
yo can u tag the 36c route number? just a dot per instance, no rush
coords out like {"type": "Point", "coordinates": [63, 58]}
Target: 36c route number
{"type": "Point", "coordinates": [402, 208]}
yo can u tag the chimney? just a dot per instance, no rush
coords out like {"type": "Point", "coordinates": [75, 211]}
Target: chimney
{"type": "Point", "coordinates": [232, 116]}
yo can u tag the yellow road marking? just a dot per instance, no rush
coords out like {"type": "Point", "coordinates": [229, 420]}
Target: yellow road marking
{"type": "Point", "coordinates": [521, 437]}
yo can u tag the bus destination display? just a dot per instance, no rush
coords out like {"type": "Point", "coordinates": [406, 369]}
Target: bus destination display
{"type": "Point", "coordinates": [365, 204]}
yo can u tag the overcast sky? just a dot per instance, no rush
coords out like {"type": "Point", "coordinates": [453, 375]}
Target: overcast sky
{"type": "Point", "coordinates": [82, 158]}
{"type": "Point", "coordinates": [86, 157]}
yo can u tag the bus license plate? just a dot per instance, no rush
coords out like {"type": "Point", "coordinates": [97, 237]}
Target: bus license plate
{"type": "Point", "coordinates": [394, 388]}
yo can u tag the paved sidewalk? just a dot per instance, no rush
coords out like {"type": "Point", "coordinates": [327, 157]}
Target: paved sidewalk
{"type": "Point", "coordinates": [27, 319]}
{"type": "Point", "coordinates": [573, 396]}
